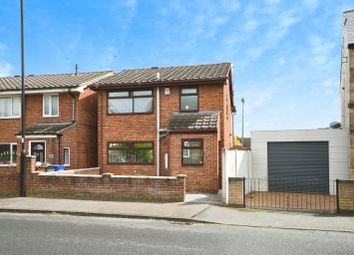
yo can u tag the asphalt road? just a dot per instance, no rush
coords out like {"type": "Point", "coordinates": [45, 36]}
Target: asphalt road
{"type": "Point", "coordinates": [56, 234]}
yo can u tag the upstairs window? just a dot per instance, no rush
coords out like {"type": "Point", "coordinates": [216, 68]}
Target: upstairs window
{"type": "Point", "coordinates": [192, 152]}
{"type": "Point", "coordinates": [10, 107]}
{"type": "Point", "coordinates": [189, 100]}
{"type": "Point", "coordinates": [125, 102]}
{"type": "Point", "coordinates": [130, 152]}
{"type": "Point", "coordinates": [8, 154]}
{"type": "Point", "coordinates": [51, 105]}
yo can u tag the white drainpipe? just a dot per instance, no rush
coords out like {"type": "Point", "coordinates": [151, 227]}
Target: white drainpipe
{"type": "Point", "coordinates": [157, 131]}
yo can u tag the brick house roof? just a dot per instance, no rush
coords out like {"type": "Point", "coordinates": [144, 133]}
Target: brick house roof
{"type": "Point", "coordinates": [53, 128]}
{"type": "Point", "coordinates": [52, 81]}
{"type": "Point", "coordinates": [155, 75]}
{"type": "Point", "coordinates": [198, 121]}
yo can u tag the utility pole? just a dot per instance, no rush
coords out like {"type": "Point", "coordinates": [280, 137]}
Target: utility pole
{"type": "Point", "coordinates": [23, 109]}
{"type": "Point", "coordinates": [243, 119]}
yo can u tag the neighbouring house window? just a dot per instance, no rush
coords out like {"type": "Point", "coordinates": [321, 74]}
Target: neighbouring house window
{"type": "Point", "coordinates": [67, 156]}
{"type": "Point", "coordinates": [130, 152]}
{"type": "Point", "coordinates": [8, 154]}
{"type": "Point", "coordinates": [51, 105]}
{"type": "Point", "coordinates": [38, 150]}
{"type": "Point", "coordinates": [192, 152]}
{"type": "Point", "coordinates": [10, 107]}
{"type": "Point", "coordinates": [123, 102]}
{"type": "Point", "coordinates": [189, 100]}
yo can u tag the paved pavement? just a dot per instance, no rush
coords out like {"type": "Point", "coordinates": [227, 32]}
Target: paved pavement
{"type": "Point", "coordinates": [191, 210]}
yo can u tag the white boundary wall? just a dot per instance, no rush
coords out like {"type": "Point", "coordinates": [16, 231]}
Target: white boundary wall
{"type": "Point", "coordinates": [235, 163]}
{"type": "Point", "coordinates": [338, 142]}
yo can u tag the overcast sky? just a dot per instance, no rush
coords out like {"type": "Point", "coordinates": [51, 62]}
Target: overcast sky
{"type": "Point", "coordinates": [286, 54]}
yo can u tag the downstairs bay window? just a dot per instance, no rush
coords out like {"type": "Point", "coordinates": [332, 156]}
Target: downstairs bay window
{"type": "Point", "coordinates": [8, 154]}
{"type": "Point", "coordinates": [131, 152]}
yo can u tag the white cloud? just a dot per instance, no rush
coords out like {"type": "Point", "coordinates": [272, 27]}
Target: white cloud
{"type": "Point", "coordinates": [230, 5]}
{"type": "Point", "coordinates": [321, 50]}
{"type": "Point", "coordinates": [5, 69]}
{"type": "Point", "coordinates": [273, 2]}
{"type": "Point", "coordinates": [3, 47]}
{"type": "Point", "coordinates": [311, 4]}
{"type": "Point", "coordinates": [109, 58]}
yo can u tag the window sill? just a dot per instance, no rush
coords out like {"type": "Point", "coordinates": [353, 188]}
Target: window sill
{"type": "Point", "coordinates": [121, 163]}
{"type": "Point", "coordinates": [7, 165]}
{"type": "Point", "coordinates": [50, 116]}
{"type": "Point", "coordinates": [10, 118]}
{"type": "Point", "coordinates": [188, 111]}
{"type": "Point", "coordinates": [129, 113]}
{"type": "Point", "coordinates": [192, 165]}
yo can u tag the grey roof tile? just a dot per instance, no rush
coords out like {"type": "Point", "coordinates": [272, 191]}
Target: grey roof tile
{"type": "Point", "coordinates": [48, 128]}
{"type": "Point", "coordinates": [348, 26]}
{"type": "Point", "coordinates": [52, 81]}
{"type": "Point", "coordinates": [168, 74]}
{"type": "Point", "coordinates": [194, 121]}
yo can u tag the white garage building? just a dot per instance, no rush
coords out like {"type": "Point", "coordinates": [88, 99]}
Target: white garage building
{"type": "Point", "coordinates": [315, 154]}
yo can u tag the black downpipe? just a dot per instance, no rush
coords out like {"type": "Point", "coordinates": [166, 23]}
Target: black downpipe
{"type": "Point", "coordinates": [23, 111]}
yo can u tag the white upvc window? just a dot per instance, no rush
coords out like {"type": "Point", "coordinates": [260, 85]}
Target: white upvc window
{"type": "Point", "coordinates": [66, 156]}
{"type": "Point", "coordinates": [8, 154]}
{"type": "Point", "coordinates": [51, 105]}
{"type": "Point", "coordinates": [10, 107]}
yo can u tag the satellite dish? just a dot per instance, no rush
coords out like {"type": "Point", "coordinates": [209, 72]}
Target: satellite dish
{"type": "Point", "coordinates": [334, 124]}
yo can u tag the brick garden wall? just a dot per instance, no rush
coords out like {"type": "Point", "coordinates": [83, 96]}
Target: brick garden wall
{"type": "Point", "coordinates": [9, 182]}
{"type": "Point", "coordinates": [236, 191]}
{"type": "Point", "coordinates": [105, 187]}
{"type": "Point", "coordinates": [345, 195]}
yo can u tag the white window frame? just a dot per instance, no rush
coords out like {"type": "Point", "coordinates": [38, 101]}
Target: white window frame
{"type": "Point", "coordinates": [38, 141]}
{"type": "Point", "coordinates": [12, 163]}
{"type": "Point", "coordinates": [11, 108]}
{"type": "Point", "coordinates": [67, 148]}
{"type": "Point", "coordinates": [50, 115]}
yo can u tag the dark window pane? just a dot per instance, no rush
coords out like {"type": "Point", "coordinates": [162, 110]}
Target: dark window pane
{"type": "Point", "coordinates": [142, 93]}
{"type": "Point", "coordinates": [144, 156]}
{"type": "Point", "coordinates": [118, 94]}
{"type": "Point", "coordinates": [143, 104]}
{"type": "Point", "coordinates": [14, 153]}
{"type": "Point", "coordinates": [5, 154]}
{"type": "Point", "coordinates": [189, 103]}
{"type": "Point", "coordinates": [120, 105]}
{"type": "Point", "coordinates": [189, 91]}
{"type": "Point", "coordinates": [143, 145]}
{"type": "Point", "coordinates": [192, 156]}
{"type": "Point", "coordinates": [130, 152]}
{"type": "Point", "coordinates": [121, 156]}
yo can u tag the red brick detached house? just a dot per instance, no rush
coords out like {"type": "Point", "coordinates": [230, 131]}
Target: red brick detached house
{"type": "Point", "coordinates": [166, 121]}
{"type": "Point", "coordinates": [61, 119]}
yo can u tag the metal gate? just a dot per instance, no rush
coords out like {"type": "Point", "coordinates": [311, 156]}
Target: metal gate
{"type": "Point", "coordinates": [258, 195]}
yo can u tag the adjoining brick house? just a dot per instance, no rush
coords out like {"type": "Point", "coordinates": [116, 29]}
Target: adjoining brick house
{"type": "Point", "coordinates": [61, 119]}
{"type": "Point", "coordinates": [167, 121]}
{"type": "Point", "coordinates": [347, 82]}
